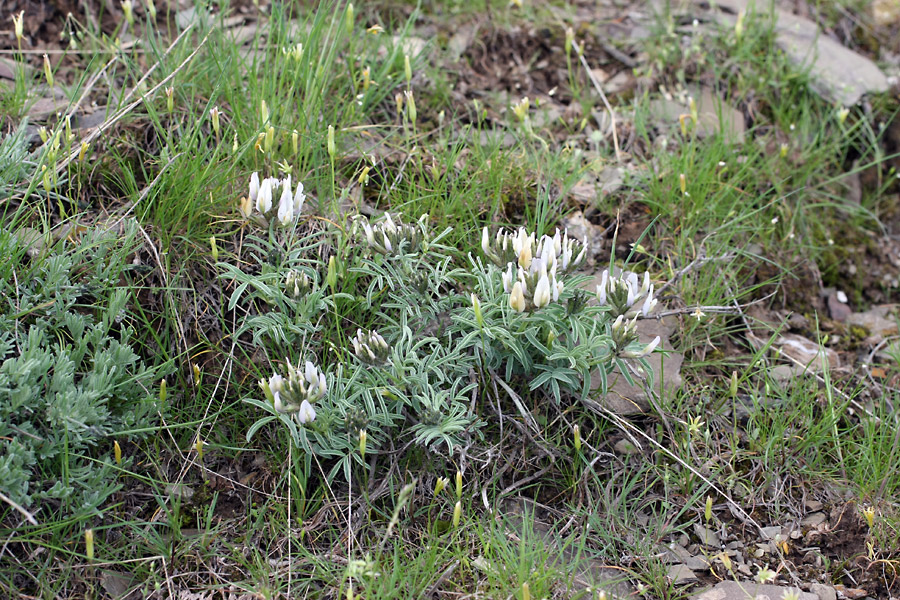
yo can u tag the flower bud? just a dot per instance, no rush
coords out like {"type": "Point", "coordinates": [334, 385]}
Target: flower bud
{"type": "Point", "coordinates": [198, 446]}
{"type": "Point", "coordinates": [295, 141]}
{"type": "Point", "coordinates": [517, 297]}
{"type": "Point", "coordinates": [82, 151]}
{"type": "Point", "coordinates": [151, 9]}
{"type": "Point", "coordinates": [457, 513]}
{"type": "Point", "coordinates": [459, 485]}
{"type": "Point", "coordinates": [214, 113]}
{"type": "Point", "coordinates": [117, 452]}
{"type": "Point", "coordinates": [330, 145]}
{"type": "Point", "coordinates": [682, 183]}
{"type": "Point", "coordinates": [570, 37]}
{"type": "Point", "coordinates": [128, 9]}
{"type": "Point", "coordinates": [733, 386]}
{"type": "Point", "coordinates": [349, 22]}
{"type": "Point", "coordinates": [411, 106]}
{"type": "Point", "coordinates": [162, 391]}
{"type": "Point", "coordinates": [42, 131]}
{"type": "Point", "coordinates": [842, 115]}
{"type": "Point", "coordinates": [526, 591]}
{"type": "Point", "coordinates": [264, 111]}
{"type": "Point", "coordinates": [707, 512]}
{"type": "Point", "coordinates": [440, 484]}
{"type": "Point", "coordinates": [270, 139]}
{"type": "Point", "coordinates": [576, 434]}
{"type": "Point", "coordinates": [214, 249]}
{"type": "Point", "coordinates": [476, 307]}
{"type": "Point", "coordinates": [407, 69]}
{"type": "Point", "coordinates": [363, 436]}
{"type": "Point", "coordinates": [89, 544]}
{"type": "Point", "coordinates": [170, 98]}
{"type": "Point", "coordinates": [48, 72]}
{"type": "Point", "coordinates": [331, 275]}
{"type": "Point", "coordinates": [19, 25]}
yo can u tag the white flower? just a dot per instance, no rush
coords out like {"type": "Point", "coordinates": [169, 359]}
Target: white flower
{"type": "Point", "coordinates": [698, 314]}
{"type": "Point", "coordinates": [603, 287]}
{"type": "Point", "coordinates": [370, 234]}
{"type": "Point", "coordinates": [649, 302]}
{"type": "Point", "coordinates": [264, 197]}
{"type": "Point", "coordinates": [286, 204]}
{"type": "Point", "coordinates": [485, 242]}
{"type": "Point", "coordinates": [254, 186]}
{"type": "Point", "coordinates": [507, 278]}
{"type": "Point", "coordinates": [299, 199]}
{"type": "Point", "coordinates": [517, 297]}
{"type": "Point", "coordinates": [542, 291]}
{"type": "Point", "coordinates": [306, 414]}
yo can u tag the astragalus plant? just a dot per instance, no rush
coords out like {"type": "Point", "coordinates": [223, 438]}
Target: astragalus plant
{"type": "Point", "coordinates": [428, 337]}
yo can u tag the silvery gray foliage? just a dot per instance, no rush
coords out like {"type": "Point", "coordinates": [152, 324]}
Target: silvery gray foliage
{"type": "Point", "coordinates": [70, 380]}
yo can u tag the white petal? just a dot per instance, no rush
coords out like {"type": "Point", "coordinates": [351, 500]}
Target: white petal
{"type": "Point", "coordinates": [264, 198]}
{"type": "Point", "coordinates": [299, 199]}
{"type": "Point", "coordinates": [286, 206]}
{"type": "Point", "coordinates": [542, 291]}
{"type": "Point", "coordinates": [254, 186]}
{"type": "Point", "coordinates": [307, 413]}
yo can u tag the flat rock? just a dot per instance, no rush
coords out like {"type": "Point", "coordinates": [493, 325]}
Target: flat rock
{"type": "Point", "coordinates": [707, 536]}
{"type": "Point", "coordinates": [823, 592]}
{"type": "Point", "coordinates": [806, 352]}
{"type": "Point", "coordinates": [679, 574]}
{"type": "Point", "coordinates": [878, 322]}
{"type": "Point", "coordinates": [745, 590]}
{"type": "Point", "coordinates": [714, 115]}
{"type": "Point", "coordinates": [836, 73]}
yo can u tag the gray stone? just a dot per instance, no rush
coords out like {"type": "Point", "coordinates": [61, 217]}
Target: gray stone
{"type": "Point", "coordinates": [714, 115]}
{"type": "Point", "coordinates": [624, 446]}
{"type": "Point", "coordinates": [836, 73]}
{"type": "Point", "coordinates": [878, 322]}
{"type": "Point", "coordinates": [813, 520]}
{"type": "Point", "coordinates": [745, 590]}
{"type": "Point", "coordinates": [823, 592]}
{"type": "Point", "coordinates": [679, 574]}
{"type": "Point", "coordinates": [769, 533]}
{"type": "Point", "coordinates": [707, 536]}
{"type": "Point", "coordinates": [806, 352]}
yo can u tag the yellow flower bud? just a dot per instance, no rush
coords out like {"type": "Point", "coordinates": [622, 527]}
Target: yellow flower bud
{"type": "Point", "coordinates": [707, 513]}
{"type": "Point", "coordinates": [411, 106]}
{"type": "Point", "coordinates": [440, 484]}
{"type": "Point", "coordinates": [170, 98]}
{"type": "Point", "coordinates": [162, 391]}
{"type": "Point", "coordinates": [295, 141]}
{"type": "Point", "coordinates": [82, 151]}
{"type": "Point", "coordinates": [270, 138]}
{"type": "Point", "coordinates": [682, 183]}
{"type": "Point", "coordinates": [459, 485]}
{"type": "Point", "coordinates": [128, 9]}
{"type": "Point", "coordinates": [48, 72]}
{"type": "Point", "coordinates": [350, 19]}
{"type": "Point", "coordinates": [476, 306]}
{"type": "Point", "coordinates": [89, 544]}
{"type": "Point", "coordinates": [198, 446]}
{"type": "Point", "coordinates": [214, 113]}
{"type": "Point", "coordinates": [117, 452]}
{"type": "Point", "coordinates": [19, 25]}
{"type": "Point", "coordinates": [214, 248]}
{"type": "Point", "coordinates": [264, 111]}
{"type": "Point", "coordinates": [196, 369]}
{"type": "Point", "coordinates": [151, 9]}
{"type": "Point", "coordinates": [363, 436]}
{"type": "Point", "coordinates": [407, 69]}
{"type": "Point", "coordinates": [330, 141]}
{"type": "Point", "coordinates": [457, 513]}
{"type": "Point", "coordinates": [576, 433]}
{"type": "Point", "coordinates": [526, 591]}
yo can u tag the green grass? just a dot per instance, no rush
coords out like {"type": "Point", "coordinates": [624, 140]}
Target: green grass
{"type": "Point", "coordinates": [266, 517]}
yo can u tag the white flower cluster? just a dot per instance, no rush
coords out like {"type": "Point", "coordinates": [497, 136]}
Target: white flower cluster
{"type": "Point", "coordinates": [387, 235]}
{"type": "Point", "coordinates": [532, 268]}
{"type": "Point", "coordinates": [622, 294]}
{"type": "Point", "coordinates": [263, 194]}
{"type": "Point", "coordinates": [297, 393]}
{"type": "Point", "coordinates": [370, 347]}
{"type": "Point", "coordinates": [624, 334]}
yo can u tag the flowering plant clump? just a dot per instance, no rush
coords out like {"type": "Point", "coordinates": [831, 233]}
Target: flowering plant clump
{"type": "Point", "coordinates": [391, 234]}
{"type": "Point", "coordinates": [370, 348]}
{"type": "Point", "coordinates": [441, 331]}
{"type": "Point", "coordinates": [296, 394]}
{"type": "Point", "coordinates": [273, 199]}
{"type": "Point", "coordinates": [623, 293]}
{"type": "Point", "coordinates": [531, 269]}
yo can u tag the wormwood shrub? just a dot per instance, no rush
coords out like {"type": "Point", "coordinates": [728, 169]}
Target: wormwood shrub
{"type": "Point", "coordinates": [70, 381]}
{"type": "Point", "coordinates": [390, 338]}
